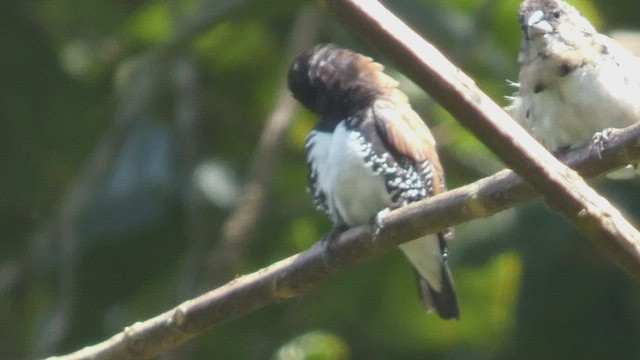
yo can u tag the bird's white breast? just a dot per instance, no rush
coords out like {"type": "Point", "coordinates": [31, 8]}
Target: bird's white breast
{"type": "Point", "coordinates": [591, 98]}
{"type": "Point", "coordinates": [353, 191]}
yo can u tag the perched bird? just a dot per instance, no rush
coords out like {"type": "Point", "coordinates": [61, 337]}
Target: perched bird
{"type": "Point", "coordinates": [370, 152]}
{"type": "Point", "coordinates": [574, 82]}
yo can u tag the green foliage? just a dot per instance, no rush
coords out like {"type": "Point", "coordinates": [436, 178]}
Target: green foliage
{"type": "Point", "coordinates": [151, 24]}
{"type": "Point", "coordinates": [315, 345]}
{"type": "Point", "coordinates": [76, 75]}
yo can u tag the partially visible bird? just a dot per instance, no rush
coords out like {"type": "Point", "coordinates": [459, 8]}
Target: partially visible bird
{"type": "Point", "coordinates": [371, 151]}
{"type": "Point", "coordinates": [574, 82]}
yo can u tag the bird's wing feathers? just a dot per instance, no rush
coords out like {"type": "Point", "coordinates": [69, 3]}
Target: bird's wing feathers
{"type": "Point", "coordinates": [404, 132]}
{"type": "Point", "coordinates": [319, 197]}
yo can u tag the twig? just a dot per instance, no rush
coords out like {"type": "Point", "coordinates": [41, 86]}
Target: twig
{"type": "Point", "coordinates": [239, 228]}
{"type": "Point", "coordinates": [296, 275]}
{"type": "Point", "coordinates": [563, 189]}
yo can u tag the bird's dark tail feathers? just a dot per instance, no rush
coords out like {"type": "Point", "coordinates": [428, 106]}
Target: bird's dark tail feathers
{"type": "Point", "coordinates": [445, 301]}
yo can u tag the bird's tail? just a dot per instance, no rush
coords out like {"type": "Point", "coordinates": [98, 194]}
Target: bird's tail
{"type": "Point", "coordinates": [437, 290]}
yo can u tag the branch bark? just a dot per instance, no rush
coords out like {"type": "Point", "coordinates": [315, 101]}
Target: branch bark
{"type": "Point", "coordinates": [562, 188]}
{"type": "Point", "coordinates": [296, 275]}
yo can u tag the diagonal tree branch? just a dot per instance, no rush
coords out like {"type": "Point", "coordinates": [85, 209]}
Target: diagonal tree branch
{"type": "Point", "coordinates": [563, 189]}
{"type": "Point", "coordinates": [296, 275]}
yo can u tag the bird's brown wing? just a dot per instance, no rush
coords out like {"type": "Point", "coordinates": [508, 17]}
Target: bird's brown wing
{"type": "Point", "coordinates": [405, 133]}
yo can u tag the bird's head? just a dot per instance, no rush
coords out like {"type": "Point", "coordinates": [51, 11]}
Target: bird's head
{"type": "Point", "coordinates": [542, 17]}
{"type": "Point", "coordinates": [335, 82]}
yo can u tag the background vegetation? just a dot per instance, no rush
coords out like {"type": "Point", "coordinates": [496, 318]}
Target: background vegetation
{"type": "Point", "coordinates": [128, 131]}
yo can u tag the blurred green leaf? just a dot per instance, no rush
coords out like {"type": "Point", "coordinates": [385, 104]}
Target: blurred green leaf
{"type": "Point", "coordinates": [151, 24]}
{"type": "Point", "coordinates": [315, 345]}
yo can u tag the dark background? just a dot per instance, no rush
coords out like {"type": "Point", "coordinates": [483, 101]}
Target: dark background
{"type": "Point", "coordinates": [127, 133]}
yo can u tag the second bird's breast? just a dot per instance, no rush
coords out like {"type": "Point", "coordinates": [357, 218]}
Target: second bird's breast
{"type": "Point", "coordinates": [580, 104]}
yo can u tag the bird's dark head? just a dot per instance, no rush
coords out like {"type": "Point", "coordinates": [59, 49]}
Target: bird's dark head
{"type": "Point", "coordinates": [541, 17]}
{"type": "Point", "coordinates": [336, 82]}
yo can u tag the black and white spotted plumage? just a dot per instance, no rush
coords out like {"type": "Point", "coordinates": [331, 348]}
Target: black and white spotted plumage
{"type": "Point", "coordinates": [371, 151]}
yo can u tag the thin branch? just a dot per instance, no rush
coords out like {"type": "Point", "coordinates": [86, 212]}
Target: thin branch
{"type": "Point", "coordinates": [562, 188]}
{"type": "Point", "coordinates": [296, 275]}
{"type": "Point", "coordinates": [239, 228]}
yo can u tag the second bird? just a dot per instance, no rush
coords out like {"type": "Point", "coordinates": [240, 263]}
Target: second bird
{"type": "Point", "coordinates": [574, 81]}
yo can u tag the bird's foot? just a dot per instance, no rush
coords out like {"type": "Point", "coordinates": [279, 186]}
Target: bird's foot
{"type": "Point", "coordinates": [377, 222]}
{"type": "Point", "coordinates": [600, 140]}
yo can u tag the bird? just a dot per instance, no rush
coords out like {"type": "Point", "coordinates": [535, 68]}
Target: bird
{"type": "Point", "coordinates": [575, 83]}
{"type": "Point", "coordinates": [371, 152]}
